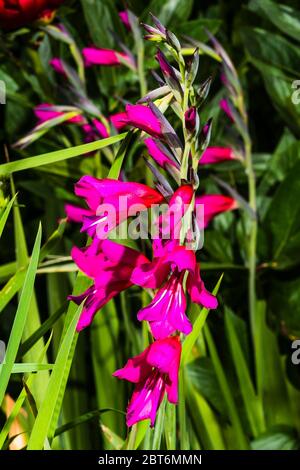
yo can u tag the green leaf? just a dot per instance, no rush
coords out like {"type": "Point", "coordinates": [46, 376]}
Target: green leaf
{"type": "Point", "coordinates": [252, 403]}
{"type": "Point", "coordinates": [282, 221]}
{"type": "Point", "coordinates": [170, 12]}
{"type": "Point", "coordinates": [115, 169]}
{"type": "Point", "coordinates": [272, 49]}
{"type": "Point", "coordinates": [20, 317]}
{"type": "Point", "coordinates": [278, 438]}
{"type": "Point", "coordinates": [240, 437]}
{"type": "Point", "coordinates": [197, 28]}
{"type": "Point", "coordinates": [58, 155]}
{"type": "Point", "coordinates": [284, 304]}
{"type": "Point", "coordinates": [28, 367]}
{"type": "Point", "coordinates": [90, 415]}
{"type": "Point", "coordinates": [5, 214]}
{"type": "Point", "coordinates": [44, 420]}
{"type": "Point", "coordinates": [191, 339]}
{"type": "Point", "coordinates": [286, 18]}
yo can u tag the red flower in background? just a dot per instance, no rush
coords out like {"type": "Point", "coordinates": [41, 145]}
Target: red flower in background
{"type": "Point", "coordinates": [17, 13]}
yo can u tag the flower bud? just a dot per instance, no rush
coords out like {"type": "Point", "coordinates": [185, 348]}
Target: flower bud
{"type": "Point", "coordinates": [191, 119]}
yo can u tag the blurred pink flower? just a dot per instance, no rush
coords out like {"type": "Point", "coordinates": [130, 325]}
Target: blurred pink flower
{"type": "Point", "coordinates": [155, 372]}
{"type": "Point", "coordinates": [224, 105]}
{"type": "Point", "coordinates": [57, 65]}
{"type": "Point", "coordinates": [214, 204]}
{"type": "Point", "coordinates": [216, 155]}
{"type": "Point", "coordinates": [96, 56]}
{"type": "Point", "coordinates": [45, 112]}
{"type": "Point", "coordinates": [125, 20]}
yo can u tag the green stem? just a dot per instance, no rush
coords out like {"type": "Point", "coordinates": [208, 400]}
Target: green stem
{"type": "Point", "coordinates": [252, 238]}
{"type": "Point", "coordinates": [141, 71]}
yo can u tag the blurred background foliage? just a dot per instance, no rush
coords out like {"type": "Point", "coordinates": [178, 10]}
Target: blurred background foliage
{"type": "Point", "coordinates": [232, 398]}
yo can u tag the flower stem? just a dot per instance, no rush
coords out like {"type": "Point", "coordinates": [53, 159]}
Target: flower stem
{"type": "Point", "coordinates": [141, 71]}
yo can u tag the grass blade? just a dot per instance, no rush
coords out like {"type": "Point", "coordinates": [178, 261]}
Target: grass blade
{"type": "Point", "coordinates": [21, 317]}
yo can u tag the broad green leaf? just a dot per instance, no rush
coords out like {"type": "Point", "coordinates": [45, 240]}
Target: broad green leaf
{"type": "Point", "coordinates": [282, 221]}
{"type": "Point", "coordinates": [170, 12]}
{"type": "Point", "coordinates": [20, 317]}
{"type": "Point", "coordinates": [272, 49]}
{"type": "Point", "coordinates": [286, 18]}
{"type": "Point", "coordinates": [278, 438]}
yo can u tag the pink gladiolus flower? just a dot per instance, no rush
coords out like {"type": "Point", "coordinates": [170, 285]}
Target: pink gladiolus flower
{"type": "Point", "coordinates": [125, 20]}
{"type": "Point", "coordinates": [160, 153]}
{"type": "Point", "coordinates": [102, 195]}
{"type": "Point", "coordinates": [216, 155]}
{"type": "Point", "coordinates": [118, 120]}
{"type": "Point", "coordinates": [166, 313]}
{"type": "Point", "coordinates": [45, 112]}
{"type": "Point", "coordinates": [214, 204]}
{"type": "Point", "coordinates": [110, 265]}
{"type": "Point", "coordinates": [143, 118]}
{"type": "Point", "coordinates": [57, 65]}
{"type": "Point", "coordinates": [76, 213]}
{"type": "Point", "coordinates": [96, 56]}
{"type": "Point", "coordinates": [154, 372]}
{"type": "Point", "coordinates": [224, 105]}
{"type": "Point", "coordinates": [92, 132]}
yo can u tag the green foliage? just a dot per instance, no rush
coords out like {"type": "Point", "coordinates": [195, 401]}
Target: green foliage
{"type": "Point", "coordinates": [238, 387]}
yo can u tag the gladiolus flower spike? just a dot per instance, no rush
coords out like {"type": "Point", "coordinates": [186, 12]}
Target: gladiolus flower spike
{"type": "Point", "coordinates": [173, 272]}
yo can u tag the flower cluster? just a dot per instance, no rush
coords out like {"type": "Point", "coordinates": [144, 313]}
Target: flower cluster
{"type": "Point", "coordinates": [173, 272]}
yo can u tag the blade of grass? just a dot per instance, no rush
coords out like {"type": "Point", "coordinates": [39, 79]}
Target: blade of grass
{"type": "Point", "coordinates": [46, 417]}
{"type": "Point", "coordinates": [58, 155]}
{"type": "Point", "coordinates": [20, 400]}
{"type": "Point", "coordinates": [20, 317]}
{"type": "Point", "coordinates": [240, 437]}
{"type": "Point", "coordinates": [252, 404]}
{"type": "Point", "coordinates": [5, 214]}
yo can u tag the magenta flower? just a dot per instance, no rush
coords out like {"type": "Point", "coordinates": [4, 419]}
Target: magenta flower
{"type": "Point", "coordinates": [216, 155]}
{"type": "Point", "coordinates": [191, 119]}
{"type": "Point", "coordinates": [166, 312]}
{"type": "Point", "coordinates": [154, 372]}
{"type": "Point", "coordinates": [96, 56]}
{"type": "Point", "coordinates": [57, 65]}
{"type": "Point", "coordinates": [143, 118]}
{"type": "Point", "coordinates": [125, 19]}
{"type": "Point", "coordinates": [110, 265]}
{"type": "Point", "coordinates": [161, 154]}
{"type": "Point", "coordinates": [112, 202]}
{"type": "Point", "coordinates": [118, 120]}
{"type": "Point", "coordinates": [45, 112]}
{"type": "Point", "coordinates": [225, 106]}
{"type": "Point", "coordinates": [95, 130]}
{"type": "Point", "coordinates": [76, 213]}
{"type": "Point", "coordinates": [214, 204]}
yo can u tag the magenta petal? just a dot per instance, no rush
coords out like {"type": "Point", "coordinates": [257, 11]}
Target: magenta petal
{"type": "Point", "coordinates": [144, 118]}
{"type": "Point", "coordinates": [96, 56]}
{"type": "Point", "coordinates": [214, 204]}
{"type": "Point", "coordinates": [119, 120]}
{"type": "Point", "coordinates": [216, 155]}
{"type": "Point", "coordinates": [135, 370]}
{"type": "Point", "coordinates": [166, 312]}
{"type": "Point", "coordinates": [161, 158]}
{"type": "Point", "coordinates": [198, 292]}
{"type": "Point", "coordinates": [145, 400]}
